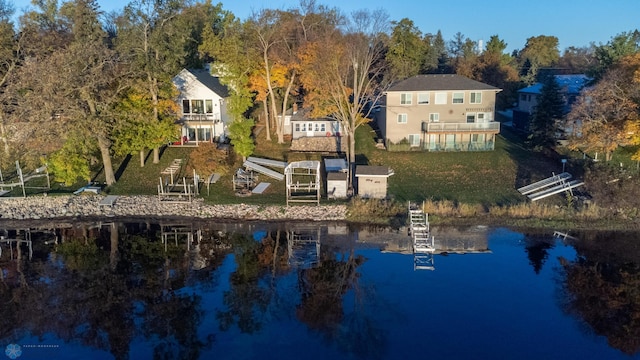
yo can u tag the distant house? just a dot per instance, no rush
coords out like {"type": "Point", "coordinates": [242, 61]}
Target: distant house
{"type": "Point", "coordinates": [202, 102]}
{"type": "Point", "coordinates": [570, 88]}
{"type": "Point", "coordinates": [438, 113]}
{"type": "Point", "coordinates": [322, 134]}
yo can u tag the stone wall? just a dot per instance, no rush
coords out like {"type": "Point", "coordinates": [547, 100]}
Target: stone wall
{"type": "Point", "coordinates": [320, 144]}
{"type": "Point", "coordinates": [52, 207]}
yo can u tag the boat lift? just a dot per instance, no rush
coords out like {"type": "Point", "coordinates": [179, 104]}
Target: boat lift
{"type": "Point", "coordinates": [423, 242]}
{"type": "Point", "coordinates": [550, 186]}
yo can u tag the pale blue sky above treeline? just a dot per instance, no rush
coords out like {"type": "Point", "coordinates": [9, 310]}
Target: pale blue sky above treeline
{"type": "Point", "coordinates": [574, 23]}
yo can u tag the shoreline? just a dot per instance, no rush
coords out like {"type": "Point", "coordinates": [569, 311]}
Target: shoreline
{"type": "Point", "coordinates": [87, 206]}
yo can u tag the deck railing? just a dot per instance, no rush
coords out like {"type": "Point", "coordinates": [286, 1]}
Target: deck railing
{"type": "Point", "coordinates": [492, 126]}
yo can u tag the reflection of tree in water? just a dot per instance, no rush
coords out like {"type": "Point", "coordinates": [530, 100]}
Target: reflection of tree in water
{"type": "Point", "coordinates": [602, 287]}
{"type": "Point", "coordinates": [249, 297]}
{"type": "Point", "coordinates": [321, 308]}
{"type": "Point", "coordinates": [537, 248]}
{"type": "Point", "coordinates": [93, 296]}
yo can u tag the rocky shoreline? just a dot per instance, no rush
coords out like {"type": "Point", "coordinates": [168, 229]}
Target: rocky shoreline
{"type": "Point", "coordinates": [87, 206]}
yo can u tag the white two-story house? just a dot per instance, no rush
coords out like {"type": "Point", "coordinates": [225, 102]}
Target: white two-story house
{"type": "Point", "coordinates": [202, 101]}
{"type": "Point", "coordinates": [442, 112]}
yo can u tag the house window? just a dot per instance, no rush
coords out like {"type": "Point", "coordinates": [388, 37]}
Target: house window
{"type": "Point", "coordinates": [208, 106]}
{"type": "Point", "coordinates": [303, 127]}
{"type": "Point", "coordinates": [414, 139]}
{"type": "Point", "coordinates": [434, 117]}
{"type": "Point", "coordinates": [316, 127]}
{"type": "Point", "coordinates": [475, 98]}
{"type": "Point", "coordinates": [405, 99]}
{"type": "Point", "coordinates": [297, 127]}
{"type": "Point", "coordinates": [458, 98]}
{"type": "Point", "coordinates": [323, 127]}
{"type": "Point", "coordinates": [197, 106]}
{"type": "Point", "coordinates": [480, 117]}
{"type": "Point", "coordinates": [441, 98]}
{"type": "Point", "coordinates": [423, 98]}
{"type": "Point", "coordinates": [186, 108]}
{"type": "Point", "coordinates": [402, 118]}
{"type": "Point", "coordinates": [471, 117]}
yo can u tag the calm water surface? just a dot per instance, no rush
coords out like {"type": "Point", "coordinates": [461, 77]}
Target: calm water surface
{"type": "Point", "coordinates": [143, 290]}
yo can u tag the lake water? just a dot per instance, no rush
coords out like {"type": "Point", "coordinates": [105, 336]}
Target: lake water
{"type": "Point", "coordinates": [179, 290]}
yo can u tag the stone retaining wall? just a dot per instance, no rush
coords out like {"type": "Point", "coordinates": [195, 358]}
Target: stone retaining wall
{"type": "Point", "coordinates": [51, 207]}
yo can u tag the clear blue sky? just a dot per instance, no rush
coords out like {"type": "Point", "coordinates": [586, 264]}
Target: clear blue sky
{"type": "Point", "coordinates": [575, 23]}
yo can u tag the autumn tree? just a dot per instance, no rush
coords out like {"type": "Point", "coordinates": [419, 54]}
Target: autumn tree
{"type": "Point", "coordinates": [603, 112]}
{"type": "Point", "coordinates": [577, 60]}
{"type": "Point", "coordinates": [151, 42]}
{"type": "Point", "coordinates": [462, 51]}
{"type": "Point", "coordinates": [343, 73]}
{"type": "Point", "coordinates": [78, 82]}
{"type": "Point", "coordinates": [10, 54]}
{"type": "Point", "coordinates": [235, 63]}
{"type": "Point", "coordinates": [607, 55]}
{"type": "Point", "coordinates": [539, 51]}
{"type": "Point", "coordinates": [264, 27]}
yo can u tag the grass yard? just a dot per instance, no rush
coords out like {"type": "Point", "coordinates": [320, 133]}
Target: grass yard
{"type": "Point", "coordinates": [486, 178]}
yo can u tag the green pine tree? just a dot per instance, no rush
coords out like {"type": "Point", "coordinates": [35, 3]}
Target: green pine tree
{"type": "Point", "coordinates": [546, 116]}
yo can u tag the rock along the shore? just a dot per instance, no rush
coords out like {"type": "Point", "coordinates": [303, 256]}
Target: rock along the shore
{"type": "Point", "coordinates": [53, 207]}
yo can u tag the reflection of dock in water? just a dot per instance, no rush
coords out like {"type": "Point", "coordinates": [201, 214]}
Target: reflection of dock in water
{"type": "Point", "coordinates": [563, 236]}
{"type": "Point", "coordinates": [178, 233]}
{"type": "Point", "coordinates": [18, 238]}
{"type": "Point", "coordinates": [303, 247]}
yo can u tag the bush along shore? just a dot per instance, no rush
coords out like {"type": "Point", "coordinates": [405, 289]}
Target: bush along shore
{"type": "Point", "coordinates": [55, 207]}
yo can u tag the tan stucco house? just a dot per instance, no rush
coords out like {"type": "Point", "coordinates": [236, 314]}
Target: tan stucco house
{"type": "Point", "coordinates": [443, 112]}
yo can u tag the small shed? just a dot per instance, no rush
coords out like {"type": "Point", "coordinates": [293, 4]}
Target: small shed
{"type": "Point", "coordinates": [372, 181]}
{"type": "Point", "coordinates": [336, 185]}
{"type": "Point", "coordinates": [337, 178]}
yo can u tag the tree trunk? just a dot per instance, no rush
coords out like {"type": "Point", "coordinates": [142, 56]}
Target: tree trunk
{"type": "Point", "coordinates": [267, 128]}
{"type": "Point", "coordinates": [272, 96]}
{"type": "Point", "coordinates": [142, 158]}
{"type": "Point", "coordinates": [156, 116]}
{"type": "Point", "coordinates": [113, 254]}
{"type": "Point", "coordinates": [352, 155]}
{"type": "Point", "coordinates": [103, 144]}
{"type": "Point", "coordinates": [5, 138]}
{"type": "Point", "coordinates": [280, 124]}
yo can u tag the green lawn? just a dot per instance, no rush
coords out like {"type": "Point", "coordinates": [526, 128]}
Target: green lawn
{"type": "Point", "coordinates": [486, 178]}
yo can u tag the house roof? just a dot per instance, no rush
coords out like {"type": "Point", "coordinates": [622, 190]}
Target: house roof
{"type": "Point", "coordinates": [434, 82]}
{"type": "Point", "coordinates": [210, 81]}
{"type": "Point", "coordinates": [373, 171]}
{"type": "Point", "coordinates": [569, 84]}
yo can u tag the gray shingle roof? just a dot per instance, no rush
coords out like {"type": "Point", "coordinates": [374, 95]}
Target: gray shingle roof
{"type": "Point", "coordinates": [436, 82]}
{"type": "Point", "coordinates": [212, 82]}
{"type": "Point", "coordinates": [369, 170]}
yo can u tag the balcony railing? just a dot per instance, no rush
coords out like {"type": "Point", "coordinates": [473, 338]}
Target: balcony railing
{"type": "Point", "coordinates": [200, 117]}
{"type": "Point", "coordinates": [492, 126]}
